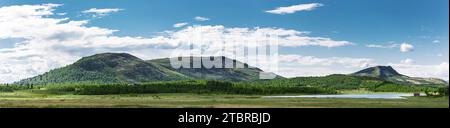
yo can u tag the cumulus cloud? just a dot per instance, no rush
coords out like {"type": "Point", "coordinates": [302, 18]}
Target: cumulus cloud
{"type": "Point", "coordinates": [311, 60]}
{"type": "Point", "coordinates": [295, 8]}
{"type": "Point", "coordinates": [382, 46]}
{"type": "Point", "coordinates": [179, 25]}
{"type": "Point", "coordinates": [406, 47]}
{"type": "Point", "coordinates": [285, 37]}
{"type": "Point", "coordinates": [101, 12]}
{"type": "Point", "coordinates": [408, 61]}
{"type": "Point", "coordinates": [199, 18]}
{"type": "Point", "coordinates": [298, 65]}
{"type": "Point", "coordinates": [48, 42]}
{"type": "Point", "coordinates": [429, 71]}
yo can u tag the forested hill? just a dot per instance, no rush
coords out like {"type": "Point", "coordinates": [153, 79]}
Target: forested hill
{"type": "Point", "coordinates": [103, 68]}
{"type": "Point", "coordinates": [125, 68]}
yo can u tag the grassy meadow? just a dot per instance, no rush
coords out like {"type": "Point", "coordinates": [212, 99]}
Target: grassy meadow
{"type": "Point", "coordinates": [217, 94]}
{"type": "Point", "coordinates": [41, 99]}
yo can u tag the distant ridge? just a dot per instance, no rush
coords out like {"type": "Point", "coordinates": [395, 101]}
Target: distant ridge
{"type": "Point", "coordinates": [390, 74]}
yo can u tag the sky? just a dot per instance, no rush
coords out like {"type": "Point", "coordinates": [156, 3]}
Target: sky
{"type": "Point", "coordinates": [318, 37]}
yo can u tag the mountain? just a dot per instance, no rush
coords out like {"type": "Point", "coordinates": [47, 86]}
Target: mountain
{"type": "Point", "coordinates": [247, 73]}
{"type": "Point", "coordinates": [390, 74]}
{"type": "Point", "coordinates": [383, 72]}
{"type": "Point", "coordinates": [104, 68]}
{"type": "Point", "coordinates": [126, 68]}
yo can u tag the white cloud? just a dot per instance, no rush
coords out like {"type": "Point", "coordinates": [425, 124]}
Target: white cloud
{"type": "Point", "coordinates": [298, 65]}
{"type": "Point", "coordinates": [436, 41]}
{"type": "Point", "coordinates": [28, 10]}
{"type": "Point", "coordinates": [374, 46]}
{"type": "Point", "coordinates": [306, 71]}
{"type": "Point", "coordinates": [285, 37]}
{"type": "Point", "coordinates": [101, 12]}
{"type": "Point", "coordinates": [408, 61]}
{"type": "Point", "coordinates": [61, 14]}
{"type": "Point", "coordinates": [382, 46]}
{"type": "Point", "coordinates": [311, 60]}
{"type": "Point", "coordinates": [49, 43]}
{"type": "Point", "coordinates": [199, 18]}
{"type": "Point", "coordinates": [295, 8]}
{"type": "Point", "coordinates": [406, 47]}
{"type": "Point", "coordinates": [428, 71]}
{"type": "Point", "coordinates": [179, 25]}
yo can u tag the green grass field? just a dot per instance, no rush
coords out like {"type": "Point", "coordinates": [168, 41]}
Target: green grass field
{"type": "Point", "coordinates": [36, 99]}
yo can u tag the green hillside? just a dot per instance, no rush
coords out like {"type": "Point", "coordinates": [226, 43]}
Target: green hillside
{"type": "Point", "coordinates": [104, 68]}
{"type": "Point", "coordinates": [126, 72]}
{"type": "Point", "coordinates": [346, 82]}
{"type": "Point", "coordinates": [110, 68]}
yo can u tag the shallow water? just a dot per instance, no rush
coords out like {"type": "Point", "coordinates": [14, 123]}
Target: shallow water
{"type": "Point", "coordinates": [361, 96]}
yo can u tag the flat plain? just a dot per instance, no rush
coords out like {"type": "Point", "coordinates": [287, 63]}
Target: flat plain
{"type": "Point", "coordinates": [30, 99]}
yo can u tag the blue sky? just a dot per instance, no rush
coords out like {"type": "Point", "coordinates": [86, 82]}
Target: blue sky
{"type": "Point", "coordinates": [362, 22]}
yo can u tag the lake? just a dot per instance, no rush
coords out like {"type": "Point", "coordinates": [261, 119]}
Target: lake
{"type": "Point", "coordinates": [361, 96]}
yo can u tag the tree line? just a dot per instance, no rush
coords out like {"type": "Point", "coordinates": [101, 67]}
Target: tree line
{"type": "Point", "coordinates": [13, 87]}
{"type": "Point", "coordinates": [307, 85]}
{"type": "Point", "coordinates": [193, 86]}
